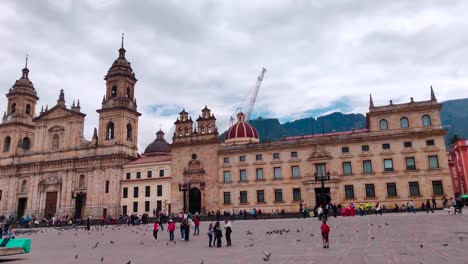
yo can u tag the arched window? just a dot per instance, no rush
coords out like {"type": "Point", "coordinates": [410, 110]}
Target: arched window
{"type": "Point", "coordinates": [203, 129]}
{"type": "Point", "coordinates": [186, 131]}
{"type": "Point", "coordinates": [23, 186]}
{"type": "Point", "coordinates": [129, 132]}
{"type": "Point", "coordinates": [110, 131]}
{"type": "Point", "coordinates": [6, 144]}
{"type": "Point", "coordinates": [55, 141]}
{"type": "Point", "coordinates": [81, 182]}
{"type": "Point", "coordinates": [426, 120]}
{"type": "Point", "coordinates": [114, 91]}
{"type": "Point", "coordinates": [129, 95]}
{"type": "Point", "coordinates": [13, 108]}
{"type": "Point", "coordinates": [26, 143]}
{"type": "Point", "coordinates": [383, 124]}
{"type": "Point", "coordinates": [180, 132]}
{"type": "Point", "coordinates": [404, 123]}
{"type": "Point", "coordinates": [28, 109]}
{"type": "Point", "coordinates": [209, 128]}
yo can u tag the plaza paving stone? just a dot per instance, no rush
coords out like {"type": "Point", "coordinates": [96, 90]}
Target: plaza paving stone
{"type": "Point", "coordinates": [391, 238]}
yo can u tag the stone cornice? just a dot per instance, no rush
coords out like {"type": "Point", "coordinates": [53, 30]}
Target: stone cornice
{"type": "Point", "coordinates": [330, 140]}
{"type": "Point", "coordinates": [103, 161]}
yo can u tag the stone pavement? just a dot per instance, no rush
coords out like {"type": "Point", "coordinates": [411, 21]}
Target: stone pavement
{"type": "Point", "coordinates": [391, 238]}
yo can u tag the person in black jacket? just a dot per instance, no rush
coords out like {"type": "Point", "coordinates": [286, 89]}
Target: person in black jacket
{"type": "Point", "coordinates": [218, 234]}
{"type": "Point", "coordinates": [227, 226]}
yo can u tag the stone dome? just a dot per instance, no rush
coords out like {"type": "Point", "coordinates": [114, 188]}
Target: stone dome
{"type": "Point", "coordinates": [24, 85]}
{"type": "Point", "coordinates": [159, 146]}
{"type": "Point", "coordinates": [121, 67]}
{"type": "Point", "coordinates": [241, 132]}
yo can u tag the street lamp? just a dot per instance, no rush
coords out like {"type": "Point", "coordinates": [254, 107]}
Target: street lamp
{"type": "Point", "coordinates": [184, 188]}
{"type": "Point", "coordinates": [322, 177]}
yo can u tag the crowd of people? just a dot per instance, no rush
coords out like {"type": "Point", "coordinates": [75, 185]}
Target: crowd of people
{"type": "Point", "coordinates": [186, 222]}
{"type": "Point", "coordinates": [452, 205]}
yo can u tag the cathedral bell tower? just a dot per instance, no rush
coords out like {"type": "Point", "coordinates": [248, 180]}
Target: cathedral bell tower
{"type": "Point", "coordinates": [118, 116]}
{"type": "Point", "coordinates": [17, 127]}
{"type": "Point", "coordinates": [22, 98]}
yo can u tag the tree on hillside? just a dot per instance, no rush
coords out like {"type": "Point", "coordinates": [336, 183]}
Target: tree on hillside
{"type": "Point", "coordinates": [453, 139]}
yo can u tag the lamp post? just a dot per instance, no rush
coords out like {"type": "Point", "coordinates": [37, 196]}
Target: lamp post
{"type": "Point", "coordinates": [184, 188]}
{"type": "Point", "coordinates": [322, 177]}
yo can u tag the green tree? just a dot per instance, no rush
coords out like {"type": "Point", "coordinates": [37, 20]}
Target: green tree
{"type": "Point", "coordinates": [453, 139]}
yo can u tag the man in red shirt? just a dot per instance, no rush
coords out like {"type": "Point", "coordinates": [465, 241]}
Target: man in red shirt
{"type": "Point", "coordinates": [196, 222]}
{"type": "Point", "coordinates": [325, 230]}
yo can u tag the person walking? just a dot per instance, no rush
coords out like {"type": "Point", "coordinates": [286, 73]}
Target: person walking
{"type": "Point", "coordinates": [186, 226]}
{"type": "Point", "coordinates": [196, 221]}
{"type": "Point", "coordinates": [434, 205]}
{"type": "Point", "coordinates": [411, 206]}
{"type": "Point", "coordinates": [171, 229]}
{"type": "Point", "coordinates": [218, 234]}
{"type": "Point", "coordinates": [161, 222]}
{"type": "Point", "coordinates": [88, 225]}
{"type": "Point", "coordinates": [182, 230]}
{"type": "Point", "coordinates": [227, 226]}
{"type": "Point", "coordinates": [325, 231]}
{"type": "Point", "coordinates": [155, 230]}
{"type": "Point", "coordinates": [210, 234]}
{"type": "Point", "coordinates": [454, 204]}
{"type": "Point", "coordinates": [428, 207]}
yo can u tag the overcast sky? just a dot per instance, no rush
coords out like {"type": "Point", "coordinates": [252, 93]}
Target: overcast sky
{"type": "Point", "coordinates": [321, 56]}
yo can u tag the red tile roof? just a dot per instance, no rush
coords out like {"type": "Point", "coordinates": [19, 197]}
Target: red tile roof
{"type": "Point", "coordinates": [150, 159]}
{"type": "Point", "coordinates": [365, 130]}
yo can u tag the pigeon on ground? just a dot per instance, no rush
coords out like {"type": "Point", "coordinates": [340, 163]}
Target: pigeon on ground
{"type": "Point", "coordinates": [76, 256]}
{"type": "Point", "coordinates": [129, 262]}
{"type": "Point", "coordinates": [421, 246]}
{"type": "Point", "coordinates": [386, 223]}
{"type": "Point", "coordinates": [445, 245]}
{"type": "Point", "coordinates": [102, 259]}
{"type": "Point", "coordinates": [372, 237]}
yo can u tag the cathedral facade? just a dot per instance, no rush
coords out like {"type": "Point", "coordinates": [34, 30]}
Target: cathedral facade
{"type": "Point", "coordinates": [400, 156]}
{"type": "Point", "coordinates": [48, 168]}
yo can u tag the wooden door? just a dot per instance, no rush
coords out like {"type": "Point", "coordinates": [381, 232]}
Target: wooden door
{"type": "Point", "coordinates": [50, 204]}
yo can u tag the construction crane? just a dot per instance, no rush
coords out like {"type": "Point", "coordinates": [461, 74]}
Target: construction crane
{"type": "Point", "coordinates": [253, 97]}
{"type": "Point", "coordinates": [255, 93]}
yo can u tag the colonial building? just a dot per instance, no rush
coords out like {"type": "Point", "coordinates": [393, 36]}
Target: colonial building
{"type": "Point", "coordinates": [399, 157]}
{"type": "Point", "coordinates": [458, 162]}
{"type": "Point", "coordinates": [146, 183]}
{"type": "Point", "coordinates": [48, 168]}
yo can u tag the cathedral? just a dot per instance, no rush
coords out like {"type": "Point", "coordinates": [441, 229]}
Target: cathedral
{"type": "Point", "coordinates": [48, 168]}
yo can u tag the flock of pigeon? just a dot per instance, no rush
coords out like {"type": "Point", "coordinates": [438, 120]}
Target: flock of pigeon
{"type": "Point", "coordinates": [146, 230]}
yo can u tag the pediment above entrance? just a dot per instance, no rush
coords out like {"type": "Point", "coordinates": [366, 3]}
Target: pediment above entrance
{"type": "Point", "coordinates": [58, 112]}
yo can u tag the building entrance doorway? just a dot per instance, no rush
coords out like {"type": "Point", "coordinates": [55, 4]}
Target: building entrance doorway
{"type": "Point", "coordinates": [318, 192]}
{"type": "Point", "coordinates": [50, 204]}
{"type": "Point", "coordinates": [22, 202]}
{"type": "Point", "coordinates": [194, 200]}
{"type": "Point", "coordinates": [80, 203]}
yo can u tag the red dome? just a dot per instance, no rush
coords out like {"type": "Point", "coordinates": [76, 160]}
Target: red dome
{"type": "Point", "coordinates": [241, 131]}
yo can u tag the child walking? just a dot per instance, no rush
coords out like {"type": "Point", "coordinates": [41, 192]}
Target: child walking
{"type": "Point", "coordinates": [155, 230]}
{"type": "Point", "coordinates": [325, 230]}
{"type": "Point", "coordinates": [171, 229]}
